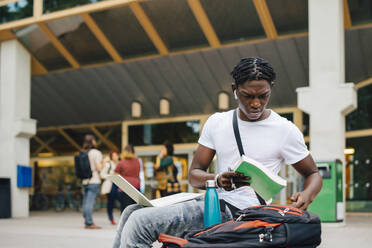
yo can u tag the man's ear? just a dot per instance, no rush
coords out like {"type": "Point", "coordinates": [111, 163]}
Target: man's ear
{"type": "Point", "coordinates": [233, 87]}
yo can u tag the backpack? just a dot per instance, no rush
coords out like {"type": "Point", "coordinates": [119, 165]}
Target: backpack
{"type": "Point", "coordinates": [82, 166]}
{"type": "Point", "coordinates": [258, 226]}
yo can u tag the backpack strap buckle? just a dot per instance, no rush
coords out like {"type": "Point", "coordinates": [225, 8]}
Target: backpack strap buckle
{"type": "Point", "coordinates": [266, 236]}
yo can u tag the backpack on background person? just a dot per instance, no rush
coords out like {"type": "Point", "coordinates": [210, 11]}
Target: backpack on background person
{"type": "Point", "coordinates": [82, 166]}
{"type": "Point", "coordinates": [258, 226]}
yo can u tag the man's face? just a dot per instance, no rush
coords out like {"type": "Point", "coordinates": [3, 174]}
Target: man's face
{"type": "Point", "coordinates": [253, 97]}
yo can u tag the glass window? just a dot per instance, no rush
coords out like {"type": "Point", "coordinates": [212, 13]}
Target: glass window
{"type": "Point", "coordinates": [34, 146]}
{"type": "Point", "coordinates": [114, 134]}
{"type": "Point", "coordinates": [361, 118]}
{"type": "Point", "coordinates": [289, 16]}
{"type": "Point", "coordinates": [54, 5]}
{"type": "Point", "coordinates": [359, 172]}
{"type": "Point", "coordinates": [156, 134]}
{"type": "Point", "coordinates": [360, 11]}
{"type": "Point", "coordinates": [180, 161]}
{"type": "Point", "coordinates": [16, 11]}
{"type": "Point", "coordinates": [56, 186]}
{"type": "Point", "coordinates": [305, 124]}
{"type": "Point", "coordinates": [288, 116]}
{"type": "Point", "coordinates": [234, 20]}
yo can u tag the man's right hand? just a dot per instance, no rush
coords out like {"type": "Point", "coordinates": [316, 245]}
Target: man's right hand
{"type": "Point", "coordinates": [227, 179]}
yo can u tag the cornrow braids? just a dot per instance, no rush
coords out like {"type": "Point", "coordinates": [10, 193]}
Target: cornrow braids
{"type": "Point", "coordinates": [253, 68]}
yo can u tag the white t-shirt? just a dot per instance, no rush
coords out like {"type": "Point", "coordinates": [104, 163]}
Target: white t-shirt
{"type": "Point", "coordinates": [95, 157]}
{"type": "Point", "coordinates": [272, 141]}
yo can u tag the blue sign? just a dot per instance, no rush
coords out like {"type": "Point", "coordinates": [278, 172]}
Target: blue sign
{"type": "Point", "coordinates": [24, 176]}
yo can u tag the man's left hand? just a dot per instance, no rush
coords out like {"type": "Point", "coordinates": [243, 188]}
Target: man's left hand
{"type": "Point", "coordinates": [229, 179]}
{"type": "Point", "coordinates": [302, 200]}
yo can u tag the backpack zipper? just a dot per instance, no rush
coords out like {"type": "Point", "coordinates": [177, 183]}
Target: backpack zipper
{"type": "Point", "coordinates": [289, 210]}
{"type": "Point", "coordinates": [284, 211]}
{"type": "Point", "coordinates": [240, 217]}
{"type": "Point", "coordinates": [288, 207]}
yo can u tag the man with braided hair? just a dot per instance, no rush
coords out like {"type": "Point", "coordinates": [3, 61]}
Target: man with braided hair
{"type": "Point", "coordinates": [266, 137]}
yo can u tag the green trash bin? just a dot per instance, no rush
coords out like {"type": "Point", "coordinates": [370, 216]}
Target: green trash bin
{"type": "Point", "coordinates": [329, 204]}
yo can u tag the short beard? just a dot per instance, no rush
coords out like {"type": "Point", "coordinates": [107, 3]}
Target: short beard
{"type": "Point", "coordinates": [242, 109]}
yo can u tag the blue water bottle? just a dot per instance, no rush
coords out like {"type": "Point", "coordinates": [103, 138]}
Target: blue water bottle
{"type": "Point", "coordinates": [212, 214]}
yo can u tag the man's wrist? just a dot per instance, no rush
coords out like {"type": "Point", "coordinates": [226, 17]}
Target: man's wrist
{"type": "Point", "coordinates": [216, 180]}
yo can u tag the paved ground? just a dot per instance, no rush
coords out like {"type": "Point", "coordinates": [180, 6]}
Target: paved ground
{"type": "Point", "coordinates": [62, 230]}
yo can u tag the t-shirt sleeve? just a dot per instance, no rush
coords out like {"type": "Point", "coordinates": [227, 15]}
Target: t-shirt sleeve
{"type": "Point", "coordinates": [206, 137]}
{"type": "Point", "coordinates": [294, 148]}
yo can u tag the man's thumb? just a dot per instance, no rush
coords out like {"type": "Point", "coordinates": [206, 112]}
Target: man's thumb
{"type": "Point", "coordinates": [294, 197]}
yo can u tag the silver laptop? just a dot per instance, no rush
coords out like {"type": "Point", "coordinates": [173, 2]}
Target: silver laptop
{"type": "Point", "coordinates": [138, 197]}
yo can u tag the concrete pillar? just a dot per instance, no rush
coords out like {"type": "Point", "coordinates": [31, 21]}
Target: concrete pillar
{"type": "Point", "coordinates": [328, 98]}
{"type": "Point", "coordinates": [16, 127]}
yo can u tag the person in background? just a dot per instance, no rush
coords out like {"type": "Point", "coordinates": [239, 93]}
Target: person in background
{"type": "Point", "coordinates": [166, 171]}
{"type": "Point", "coordinates": [142, 177]}
{"type": "Point", "coordinates": [129, 168]}
{"type": "Point", "coordinates": [108, 188]}
{"type": "Point", "coordinates": [91, 185]}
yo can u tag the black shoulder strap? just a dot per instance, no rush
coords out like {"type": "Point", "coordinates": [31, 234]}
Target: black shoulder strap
{"type": "Point", "coordinates": [240, 147]}
{"type": "Point", "coordinates": [237, 133]}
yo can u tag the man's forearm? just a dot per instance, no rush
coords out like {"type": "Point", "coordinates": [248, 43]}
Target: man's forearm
{"type": "Point", "coordinates": [198, 177]}
{"type": "Point", "coordinates": [313, 184]}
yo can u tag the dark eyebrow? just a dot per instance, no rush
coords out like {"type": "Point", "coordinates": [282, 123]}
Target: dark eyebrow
{"type": "Point", "coordinates": [248, 94]}
{"type": "Point", "coordinates": [265, 94]}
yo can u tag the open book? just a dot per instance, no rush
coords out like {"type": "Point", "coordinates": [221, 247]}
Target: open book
{"type": "Point", "coordinates": [138, 197]}
{"type": "Point", "coordinates": [263, 181]}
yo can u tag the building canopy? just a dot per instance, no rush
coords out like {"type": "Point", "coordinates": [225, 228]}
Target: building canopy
{"type": "Point", "coordinates": [91, 62]}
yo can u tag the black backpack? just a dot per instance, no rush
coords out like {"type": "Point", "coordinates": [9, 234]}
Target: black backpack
{"type": "Point", "coordinates": [82, 166]}
{"type": "Point", "coordinates": [259, 226]}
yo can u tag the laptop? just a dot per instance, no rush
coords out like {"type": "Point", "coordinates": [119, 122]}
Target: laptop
{"type": "Point", "coordinates": [141, 199]}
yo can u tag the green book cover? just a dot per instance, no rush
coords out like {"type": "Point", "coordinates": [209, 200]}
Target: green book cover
{"type": "Point", "coordinates": [263, 181]}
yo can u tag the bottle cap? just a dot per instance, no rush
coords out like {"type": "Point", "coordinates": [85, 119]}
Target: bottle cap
{"type": "Point", "coordinates": [210, 184]}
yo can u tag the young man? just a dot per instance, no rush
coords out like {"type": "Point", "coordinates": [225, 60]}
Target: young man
{"type": "Point", "coordinates": [266, 137]}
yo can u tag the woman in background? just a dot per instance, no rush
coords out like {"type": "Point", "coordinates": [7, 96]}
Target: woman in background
{"type": "Point", "coordinates": [129, 168]}
{"type": "Point", "coordinates": [166, 171]}
{"type": "Point", "coordinates": [108, 188]}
